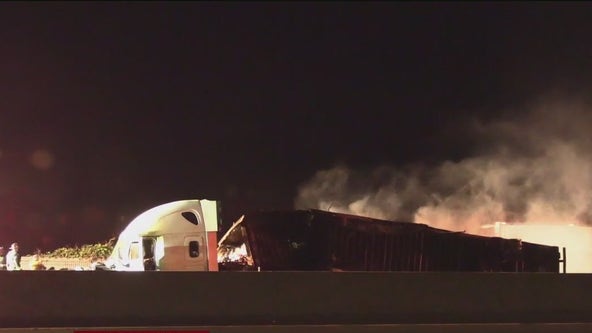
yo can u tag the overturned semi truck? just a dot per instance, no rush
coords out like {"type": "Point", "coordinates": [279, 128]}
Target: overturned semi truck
{"type": "Point", "coordinates": [182, 236]}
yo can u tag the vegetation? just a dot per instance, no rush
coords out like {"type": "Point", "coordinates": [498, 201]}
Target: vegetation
{"type": "Point", "coordinates": [98, 250]}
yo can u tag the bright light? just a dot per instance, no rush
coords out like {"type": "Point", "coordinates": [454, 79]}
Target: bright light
{"type": "Point", "coordinates": [42, 159]}
{"type": "Point", "coordinates": [235, 254]}
{"type": "Point", "coordinates": [576, 239]}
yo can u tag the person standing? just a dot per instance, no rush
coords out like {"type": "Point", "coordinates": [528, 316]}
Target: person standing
{"type": "Point", "coordinates": [13, 258]}
{"type": "Point", "coordinates": [37, 262]}
{"type": "Point", "coordinates": [2, 259]}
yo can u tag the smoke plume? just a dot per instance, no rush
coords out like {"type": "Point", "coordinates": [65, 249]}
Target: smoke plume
{"type": "Point", "coordinates": [531, 167]}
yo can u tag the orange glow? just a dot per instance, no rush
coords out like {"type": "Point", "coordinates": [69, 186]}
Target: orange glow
{"type": "Point", "coordinates": [236, 254]}
{"type": "Point", "coordinates": [575, 238]}
{"type": "Point", "coordinates": [42, 159]}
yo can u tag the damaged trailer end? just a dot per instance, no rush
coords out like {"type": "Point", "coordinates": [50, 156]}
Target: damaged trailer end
{"type": "Point", "coordinates": [324, 241]}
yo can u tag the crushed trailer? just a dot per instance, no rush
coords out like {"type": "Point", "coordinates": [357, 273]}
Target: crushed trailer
{"type": "Point", "coordinates": [315, 240]}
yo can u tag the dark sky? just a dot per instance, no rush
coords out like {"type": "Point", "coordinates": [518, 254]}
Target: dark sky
{"type": "Point", "coordinates": [108, 109]}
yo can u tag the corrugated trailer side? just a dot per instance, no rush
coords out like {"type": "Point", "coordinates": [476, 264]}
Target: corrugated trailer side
{"type": "Point", "coordinates": [318, 240]}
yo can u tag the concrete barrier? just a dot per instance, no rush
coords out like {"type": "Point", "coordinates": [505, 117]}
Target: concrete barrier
{"type": "Point", "coordinates": [105, 299]}
{"type": "Point", "coordinates": [388, 328]}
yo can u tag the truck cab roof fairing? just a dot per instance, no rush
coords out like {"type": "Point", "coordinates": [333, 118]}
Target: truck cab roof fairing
{"type": "Point", "coordinates": [152, 220]}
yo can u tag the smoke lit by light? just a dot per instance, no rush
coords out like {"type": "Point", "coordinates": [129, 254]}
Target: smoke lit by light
{"type": "Point", "coordinates": [577, 240]}
{"type": "Point", "coordinates": [535, 167]}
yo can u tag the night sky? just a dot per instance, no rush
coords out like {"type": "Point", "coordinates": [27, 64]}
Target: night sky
{"type": "Point", "coordinates": [108, 109]}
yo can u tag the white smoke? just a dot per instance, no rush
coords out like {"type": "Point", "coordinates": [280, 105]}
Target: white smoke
{"type": "Point", "coordinates": [535, 167]}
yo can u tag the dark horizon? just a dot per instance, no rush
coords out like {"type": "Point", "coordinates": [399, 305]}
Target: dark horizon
{"type": "Point", "coordinates": [109, 109]}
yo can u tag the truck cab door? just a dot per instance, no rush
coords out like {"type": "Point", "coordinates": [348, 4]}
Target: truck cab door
{"type": "Point", "coordinates": [135, 258]}
{"type": "Point", "coordinates": [195, 254]}
{"type": "Point", "coordinates": [149, 260]}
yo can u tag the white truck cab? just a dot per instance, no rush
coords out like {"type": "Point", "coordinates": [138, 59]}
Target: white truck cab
{"type": "Point", "coordinates": [176, 236]}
